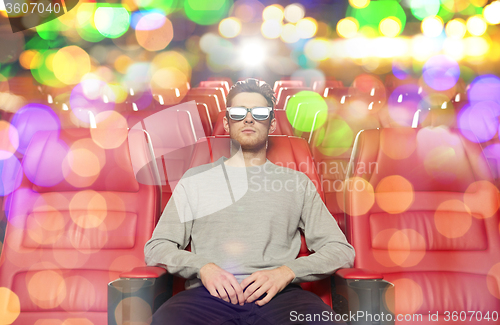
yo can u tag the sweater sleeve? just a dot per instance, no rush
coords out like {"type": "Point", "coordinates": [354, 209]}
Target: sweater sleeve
{"type": "Point", "coordinates": [323, 237]}
{"type": "Point", "coordinates": [171, 236]}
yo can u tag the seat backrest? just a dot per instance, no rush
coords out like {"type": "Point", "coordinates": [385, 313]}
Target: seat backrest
{"type": "Point", "coordinates": [421, 210]}
{"type": "Point", "coordinates": [78, 220]}
{"type": "Point", "coordinates": [284, 94]}
{"type": "Point", "coordinates": [216, 84]}
{"type": "Point", "coordinates": [278, 84]}
{"type": "Point", "coordinates": [331, 145]}
{"type": "Point", "coordinates": [217, 91]}
{"type": "Point", "coordinates": [438, 117]}
{"type": "Point", "coordinates": [283, 126]}
{"type": "Point", "coordinates": [212, 102]}
{"type": "Point", "coordinates": [173, 132]}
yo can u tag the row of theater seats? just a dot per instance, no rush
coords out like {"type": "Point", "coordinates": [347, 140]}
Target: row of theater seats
{"type": "Point", "coordinates": [349, 111]}
{"type": "Point", "coordinates": [426, 236]}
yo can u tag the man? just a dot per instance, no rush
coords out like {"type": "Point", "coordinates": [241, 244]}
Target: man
{"type": "Point", "coordinates": [244, 235]}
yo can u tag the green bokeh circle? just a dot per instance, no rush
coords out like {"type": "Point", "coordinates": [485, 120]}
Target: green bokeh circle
{"type": "Point", "coordinates": [207, 12]}
{"type": "Point", "coordinates": [306, 111]}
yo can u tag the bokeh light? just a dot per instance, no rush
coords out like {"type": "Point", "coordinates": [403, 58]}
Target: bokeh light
{"type": "Point", "coordinates": [493, 279]}
{"type": "Point", "coordinates": [94, 212]}
{"type": "Point", "coordinates": [482, 197]}
{"type": "Point", "coordinates": [10, 175]}
{"type": "Point", "coordinates": [492, 13]}
{"type": "Point", "coordinates": [336, 140]}
{"type": "Point", "coordinates": [484, 88]}
{"type": "Point", "coordinates": [86, 99]}
{"type": "Point", "coordinates": [476, 46]}
{"type": "Point", "coordinates": [248, 10]}
{"type": "Point", "coordinates": [85, 25]}
{"type": "Point", "coordinates": [271, 29]}
{"type": "Point", "coordinates": [403, 103]}
{"type": "Point", "coordinates": [432, 26]}
{"type": "Point", "coordinates": [166, 6]}
{"type": "Point", "coordinates": [476, 25]}
{"type": "Point", "coordinates": [274, 12]}
{"type": "Point", "coordinates": [294, 12]}
{"type": "Point", "coordinates": [289, 34]}
{"type": "Point", "coordinates": [72, 64]}
{"type": "Point", "coordinates": [154, 32]}
{"type": "Point", "coordinates": [409, 296]}
{"type": "Point", "coordinates": [9, 140]}
{"type": "Point", "coordinates": [456, 28]}
{"type": "Point", "coordinates": [479, 122]}
{"type": "Point", "coordinates": [47, 288]}
{"type": "Point", "coordinates": [452, 219]}
{"type": "Point", "coordinates": [318, 49]}
{"type": "Point", "coordinates": [112, 20]}
{"type": "Point", "coordinates": [359, 3]}
{"type": "Point", "coordinates": [207, 12]}
{"type": "Point", "coordinates": [31, 119]}
{"type": "Point", "coordinates": [394, 194]}
{"type": "Point", "coordinates": [307, 27]}
{"type": "Point", "coordinates": [390, 27]}
{"type": "Point", "coordinates": [422, 9]}
{"type": "Point", "coordinates": [405, 247]}
{"type": "Point", "coordinates": [10, 306]}
{"type": "Point", "coordinates": [347, 27]}
{"type": "Point", "coordinates": [361, 193]}
{"type": "Point", "coordinates": [230, 27]}
{"type": "Point", "coordinates": [441, 72]}
{"type": "Point", "coordinates": [306, 111]}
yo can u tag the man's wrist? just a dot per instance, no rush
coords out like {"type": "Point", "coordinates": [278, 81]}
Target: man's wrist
{"type": "Point", "coordinates": [289, 272]}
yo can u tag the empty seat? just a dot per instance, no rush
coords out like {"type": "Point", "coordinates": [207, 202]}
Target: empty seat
{"type": "Point", "coordinates": [213, 104]}
{"type": "Point", "coordinates": [284, 95]}
{"type": "Point", "coordinates": [422, 210]}
{"type": "Point", "coordinates": [331, 145]}
{"type": "Point", "coordinates": [173, 132]}
{"type": "Point", "coordinates": [219, 92]}
{"type": "Point", "coordinates": [216, 84]}
{"type": "Point", "coordinates": [226, 79]}
{"type": "Point", "coordinates": [278, 84]}
{"type": "Point", "coordinates": [78, 220]}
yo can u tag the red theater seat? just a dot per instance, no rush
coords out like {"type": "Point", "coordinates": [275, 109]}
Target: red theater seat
{"type": "Point", "coordinates": [291, 152]}
{"type": "Point", "coordinates": [213, 104]}
{"type": "Point", "coordinates": [283, 126]}
{"type": "Point", "coordinates": [284, 95]}
{"type": "Point", "coordinates": [216, 84]}
{"type": "Point", "coordinates": [173, 132]}
{"type": "Point", "coordinates": [331, 146]}
{"type": "Point", "coordinates": [78, 220]}
{"type": "Point", "coordinates": [422, 210]}
{"type": "Point", "coordinates": [219, 92]}
{"type": "Point", "coordinates": [278, 84]}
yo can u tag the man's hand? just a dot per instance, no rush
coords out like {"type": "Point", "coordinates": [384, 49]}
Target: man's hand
{"type": "Point", "coordinates": [221, 284]}
{"type": "Point", "coordinates": [268, 281]}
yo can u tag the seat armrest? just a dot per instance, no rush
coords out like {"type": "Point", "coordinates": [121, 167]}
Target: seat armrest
{"type": "Point", "coordinates": [137, 294]}
{"type": "Point", "coordinates": [358, 274]}
{"type": "Point", "coordinates": [144, 272]}
{"type": "Point", "coordinates": [362, 297]}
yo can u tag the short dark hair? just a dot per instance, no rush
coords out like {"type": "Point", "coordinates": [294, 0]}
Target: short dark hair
{"type": "Point", "coordinates": [252, 85]}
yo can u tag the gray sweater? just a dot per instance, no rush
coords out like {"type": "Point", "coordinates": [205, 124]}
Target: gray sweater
{"type": "Point", "coordinates": [246, 219]}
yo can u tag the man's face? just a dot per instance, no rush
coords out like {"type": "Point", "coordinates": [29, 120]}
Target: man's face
{"type": "Point", "coordinates": [250, 134]}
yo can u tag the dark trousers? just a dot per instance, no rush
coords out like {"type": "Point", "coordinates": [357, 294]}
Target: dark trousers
{"type": "Point", "coordinates": [293, 305]}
